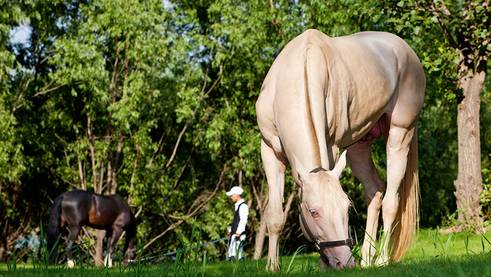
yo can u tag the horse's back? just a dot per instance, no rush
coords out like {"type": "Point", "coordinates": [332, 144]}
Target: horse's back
{"type": "Point", "coordinates": [80, 207]}
{"type": "Point", "coordinates": [363, 74]}
{"type": "Point", "coordinates": [111, 208]}
{"type": "Point", "coordinates": [385, 77]}
{"type": "Point", "coordinates": [74, 206]}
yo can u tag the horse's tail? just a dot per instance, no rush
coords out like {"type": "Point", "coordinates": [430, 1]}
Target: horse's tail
{"type": "Point", "coordinates": [53, 231]}
{"type": "Point", "coordinates": [407, 218]}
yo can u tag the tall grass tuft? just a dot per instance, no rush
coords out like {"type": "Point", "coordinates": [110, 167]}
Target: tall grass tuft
{"type": "Point", "coordinates": [290, 264]}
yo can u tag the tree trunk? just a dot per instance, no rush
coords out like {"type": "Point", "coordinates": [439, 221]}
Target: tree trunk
{"type": "Point", "coordinates": [468, 185]}
{"type": "Point", "coordinates": [261, 199]}
{"type": "Point", "coordinates": [260, 237]}
{"type": "Point", "coordinates": [2, 252]}
{"type": "Point", "coordinates": [99, 248]}
{"type": "Point", "coordinates": [100, 234]}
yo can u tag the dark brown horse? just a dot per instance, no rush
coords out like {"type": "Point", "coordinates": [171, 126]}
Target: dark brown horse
{"type": "Point", "coordinates": [77, 208]}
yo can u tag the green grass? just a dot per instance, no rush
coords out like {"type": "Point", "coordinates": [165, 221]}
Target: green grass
{"type": "Point", "coordinates": [432, 244]}
{"type": "Point", "coordinates": [433, 254]}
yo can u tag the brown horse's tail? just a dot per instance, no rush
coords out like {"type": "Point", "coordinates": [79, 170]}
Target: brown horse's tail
{"type": "Point", "coordinates": [407, 218]}
{"type": "Point", "coordinates": [53, 232]}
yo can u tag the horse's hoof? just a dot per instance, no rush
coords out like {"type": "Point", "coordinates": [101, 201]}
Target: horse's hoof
{"type": "Point", "coordinates": [380, 262]}
{"type": "Point", "coordinates": [273, 267]}
{"type": "Point", "coordinates": [70, 263]}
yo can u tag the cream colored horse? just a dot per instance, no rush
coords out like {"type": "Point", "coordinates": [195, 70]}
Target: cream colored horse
{"type": "Point", "coordinates": [322, 95]}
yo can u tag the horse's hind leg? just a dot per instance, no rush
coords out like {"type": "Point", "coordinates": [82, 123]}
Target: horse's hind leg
{"type": "Point", "coordinates": [275, 174]}
{"type": "Point", "coordinates": [106, 242]}
{"type": "Point", "coordinates": [74, 230]}
{"type": "Point", "coordinates": [398, 144]}
{"type": "Point", "coordinates": [360, 160]}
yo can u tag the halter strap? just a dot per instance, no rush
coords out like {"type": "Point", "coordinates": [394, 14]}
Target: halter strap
{"type": "Point", "coordinates": [317, 169]}
{"type": "Point", "coordinates": [328, 244]}
{"type": "Point", "coordinates": [319, 245]}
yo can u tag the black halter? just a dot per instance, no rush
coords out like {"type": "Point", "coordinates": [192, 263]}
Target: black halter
{"type": "Point", "coordinates": [319, 245]}
{"type": "Point", "coordinates": [317, 169]}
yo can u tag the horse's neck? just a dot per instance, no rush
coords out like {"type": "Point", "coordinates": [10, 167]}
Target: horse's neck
{"type": "Point", "coordinates": [340, 87]}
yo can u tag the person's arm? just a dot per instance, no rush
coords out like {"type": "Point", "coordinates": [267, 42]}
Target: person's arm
{"type": "Point", "coordinates": [243, 213]}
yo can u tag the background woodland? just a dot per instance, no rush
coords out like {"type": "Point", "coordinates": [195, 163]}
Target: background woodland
{"type": "Point", "coordinates": [154, 100]}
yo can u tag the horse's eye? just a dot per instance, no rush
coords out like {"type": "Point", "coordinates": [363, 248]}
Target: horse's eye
{"type": "Point", "coordinates": [314, 213]}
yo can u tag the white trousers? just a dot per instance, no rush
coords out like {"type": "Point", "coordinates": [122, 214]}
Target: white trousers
{"type": "Point", "coordinates": [236, 247]}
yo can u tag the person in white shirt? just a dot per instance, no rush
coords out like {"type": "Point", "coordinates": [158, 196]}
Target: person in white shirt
{"type": "Point", "coordinates": [237, 229]}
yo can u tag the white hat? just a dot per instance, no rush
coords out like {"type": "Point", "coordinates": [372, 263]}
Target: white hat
{"type": "Point", "coordinates": [235, 190]}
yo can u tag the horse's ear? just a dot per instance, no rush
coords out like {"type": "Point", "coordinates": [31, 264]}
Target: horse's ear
{"type": "Point", "coordinates": [340, 165]}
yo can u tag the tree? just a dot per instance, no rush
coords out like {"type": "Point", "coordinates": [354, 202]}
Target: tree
{"type": "Point", "coordinates": [155, 100]}
{"type": "Point", "coordinates": [114, 83]}
{"type": "Point", "coordinates": [465, 25]}
{"type": "Point", "coordinates": [12, 161]}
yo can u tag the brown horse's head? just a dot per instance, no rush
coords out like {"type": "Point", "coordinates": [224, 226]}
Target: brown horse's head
{"type": "Point", "coordinates": [130, 245]}
{"type": "Point", "coordinates": [324, 213]}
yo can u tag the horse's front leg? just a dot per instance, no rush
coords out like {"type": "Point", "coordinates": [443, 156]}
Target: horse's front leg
{"type": "Point", "coordinates": [115, 235]}
{"type": "Point", "coordinates": [72, 236]}
{"type": "Point", "coordinates": [368, 250]}
{"type": "Point", "coordinates": [361, 163]}
{"type": "Point", "coordinates": [275, 174]}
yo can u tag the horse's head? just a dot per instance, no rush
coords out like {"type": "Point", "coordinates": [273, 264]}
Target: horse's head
{"type": "Point", "coordinates": [130, 245]}
{"type": "Point", "coordinates": [324, 213]}
{"type": "Point", "coordinates": [129, 256]}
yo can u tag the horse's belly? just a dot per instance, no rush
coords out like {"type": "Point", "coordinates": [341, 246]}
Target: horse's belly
{"type": "Point", "coordinates": [368, 133]}
{"type": "Point", "coordinates": [380, 128]}
{"type": "Point", "coordinates": [98, 220]}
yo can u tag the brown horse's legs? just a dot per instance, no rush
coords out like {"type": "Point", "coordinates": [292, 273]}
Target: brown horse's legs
{"type": "Point", "coordinates": [112, 239]}
{"type": "Point", "coordinates": [72, 236]}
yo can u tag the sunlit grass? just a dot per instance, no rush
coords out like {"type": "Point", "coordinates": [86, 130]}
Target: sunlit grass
{"type": "Point", "coordinates": [433, 254]}
{"type": "Point", "coordinates": [432, 244]}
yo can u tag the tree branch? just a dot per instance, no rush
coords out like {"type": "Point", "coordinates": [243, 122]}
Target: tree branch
{"type": "Point", "coordinates": [176, 145]}
{"type": "Point", "coordinates": [81, 174]}
{"type": "Point", "coordinates": [183, 169]}
{"type": "Point", "coordinates": [289, 204]}
{"type": "Point", "coordinates": [92, 153]}
{"type": "Point", "coordinates": [191, 212]}
{"type": "Point", "coordinates": [43, 92]}
{"type": "Point", "coordinates": [213, 193]}
{"type": "Point", "coordinates": [170, 228]}
{"type": "Point", "coordinates": [174, 151]}
{"type": "Point", "coordinates": [159, 148]}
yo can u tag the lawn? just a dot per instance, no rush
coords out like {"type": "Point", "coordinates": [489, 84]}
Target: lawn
{"type": "Point", "coordinates": [433, 254]}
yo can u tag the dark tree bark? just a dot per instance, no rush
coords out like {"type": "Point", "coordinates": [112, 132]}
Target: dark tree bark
{"type": "Point", "coordinates": [99, 248]}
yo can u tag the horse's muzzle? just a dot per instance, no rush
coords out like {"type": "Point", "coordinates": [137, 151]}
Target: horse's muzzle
{"type": "Point", "coordinates": [338, 257]}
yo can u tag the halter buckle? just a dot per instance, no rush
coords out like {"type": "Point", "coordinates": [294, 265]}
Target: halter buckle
{"type": "Point", "coordinates": [317, 244]}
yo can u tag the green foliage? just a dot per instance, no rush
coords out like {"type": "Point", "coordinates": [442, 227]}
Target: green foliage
{"type": "Point", "coordinates": [156, 100]}
{"type": "Point", "coordinates": [486, 151]}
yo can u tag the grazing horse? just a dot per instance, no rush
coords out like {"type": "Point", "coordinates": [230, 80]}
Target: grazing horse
{"type": "Point", "coordinates": [323, 95]}
{"type": "Point", "coordinates": [78, 208]}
